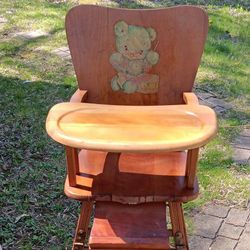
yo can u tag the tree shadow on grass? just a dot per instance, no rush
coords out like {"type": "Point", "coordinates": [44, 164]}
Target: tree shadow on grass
{"type": "Point", "coordinates": [26, 59]}
{"type": "Point", "coordinates": [32, 168]}
{"type": "Point", "coordinates": [18, 44]}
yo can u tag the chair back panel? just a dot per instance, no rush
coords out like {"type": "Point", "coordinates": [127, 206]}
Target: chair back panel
{"type": "Point", "coordinates": [136, 57]}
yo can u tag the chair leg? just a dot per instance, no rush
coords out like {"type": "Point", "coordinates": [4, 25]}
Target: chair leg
{"type": "Point", "coordinates": [82, 225]}
{"type": "Point", "coordinates": [178, 225]}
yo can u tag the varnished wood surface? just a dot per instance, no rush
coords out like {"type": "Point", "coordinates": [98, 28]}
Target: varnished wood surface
{"type": "Point", "coordinates": [72, 164]}
{"type": "Point", "coordinates": [82, 228]}
{"type": "Point", "coordinates": [190, 98]}
{"type": "Point", "coordinates": [192, 160]}
{"type": "Point", "coordinates": [131, 178]}
{"type": "Point", "coordinates": [178, 225]}
{"type": "Point", "coordinates": [79, 96]}
{"type": "Point", "coordinates": [181, 34]}
{"type": "Point", "coordinates": [118, 226]}
{"type": "Point", "coordinates": [116, 128]}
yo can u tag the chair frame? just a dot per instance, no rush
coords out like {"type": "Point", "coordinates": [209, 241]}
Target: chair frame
{"type": "Point", "coordinates": [78, 21]}
{"type": "Point", "coordinates": [175, 207]}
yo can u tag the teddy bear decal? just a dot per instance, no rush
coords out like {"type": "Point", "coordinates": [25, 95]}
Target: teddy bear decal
{"type": "Point", "coordinates": [134, 59]}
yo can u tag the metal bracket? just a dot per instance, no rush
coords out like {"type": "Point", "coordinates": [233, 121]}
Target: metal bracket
{"type": "Point", "coordinates": [80, 238]}
{"type": "Point", "coordinates": [179, 241]}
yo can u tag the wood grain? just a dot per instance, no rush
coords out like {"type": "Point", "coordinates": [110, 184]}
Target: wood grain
{"type": "Point", "coordinates": [178, 225]}
{"type": "Point", "coordinates": [79, 96]}
{"type": "Point", "coordinates": [82, 225]}
{"type": "Point", "coordinates": [119, 226]}
{"type": "Point", "coordinates": [72, 164]}
{"type": "Point", "coordinates": [116, 128]}
{"type": "Point", "coordinates": [181, 34]}
{"type": "Point", "coordinates": [132, 178]}
{"type": "Point", "coordinates": [192, 160]}
{"type": "Point", "coordinates": [117, 172]}
{"type": "Point", "coordinates": [190, 98]}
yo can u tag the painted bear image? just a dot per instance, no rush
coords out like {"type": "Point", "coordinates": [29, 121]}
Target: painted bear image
{"type": "Point", "coordinates": [134, 59]}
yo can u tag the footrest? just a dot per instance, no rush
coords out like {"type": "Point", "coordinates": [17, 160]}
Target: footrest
{"type": "Point", "coordinates": [118, 226]}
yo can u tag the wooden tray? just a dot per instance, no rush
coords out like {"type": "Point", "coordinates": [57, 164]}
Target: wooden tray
{"type": "Point", "coordinates": [142, 129]}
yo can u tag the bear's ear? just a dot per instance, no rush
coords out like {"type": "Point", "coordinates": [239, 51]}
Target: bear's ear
{"type": "Point", "coordinates": [152, 33]}
{"type": "Point", "coordinates": [121, 28]}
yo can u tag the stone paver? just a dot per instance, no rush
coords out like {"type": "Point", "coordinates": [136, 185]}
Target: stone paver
{"type": "Point", "coordinates": [219, 110]}
{"type": "Point", "coordinates": [3, 19]}
{"type": "Point", "coordinates": [217, 227]}
{"type": "Point", "coordinates": [241, 155]}
{"type": "Point", "coordinates": [216, 210]}
{"type": "Point", "coordinates": [244, 243]}
{"type": "Point", "coordinates": [215, 102]}
{"type": "Point", "coordinates": [65, 49]}
{"type": "Point", "coordinates": [199, 243]}
{"type": "Point", "coordinates": [245, 132]}
{"type": "Point", "coordinates": [206, 225]}
{"type": "Point", "coordinates": [237, 217]}
{"type": "Point", "coordinates": [241, 145]}
{"type": "Point", "coordinates": [219, 102]}
{"type": "Point", "coordinates": [242, 142]}
{"type": "Point", "coordinates": [204, 95]}
{"type": "Point", "coordinates": [230, 231]}
{"type": "Point", "coordinates": [31, 34]}
{"type": "Point", "coordinates": [223, 243]}
{"type": "Point", "coordinates": [222, 228]}
{"type": "Point", "coordinates": [62, 52]}
{"type": "Point", "coordinates": [207, 103]}
{"type": "Point", "coordinates": [211, 101]}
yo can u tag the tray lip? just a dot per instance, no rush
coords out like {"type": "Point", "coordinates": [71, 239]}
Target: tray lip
{"type": "Point", "coordinates": [57, 134]}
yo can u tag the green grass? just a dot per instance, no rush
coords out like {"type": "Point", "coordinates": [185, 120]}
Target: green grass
{"type": "Point", "coordinates": [35, 214]}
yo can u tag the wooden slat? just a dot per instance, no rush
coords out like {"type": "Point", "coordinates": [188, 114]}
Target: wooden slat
{"type": "Point", "coordinates": [72, 164]}
{"type": "Point", "coordinates": [178, 225]}
{"type": "Point", "coordinates": [192, 160]}
{"type": "Point", "coordinates": [118, 226]}
{"type": "Point", "coordinates": [82, 225]}
{"type": "Point", "coordinates": [190, 98]}
{"type": "Point", "coordinates": [79, 96]}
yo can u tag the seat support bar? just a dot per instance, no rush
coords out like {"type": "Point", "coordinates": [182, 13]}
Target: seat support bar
{"type": "Point", "coordinates": [191, 166]}
{"type": "Point", "coordinates": [72, 164]}
{"type": "Point", "coordinates": [82, 225]}
{"type": "Point", "coordinates": [178, 225]}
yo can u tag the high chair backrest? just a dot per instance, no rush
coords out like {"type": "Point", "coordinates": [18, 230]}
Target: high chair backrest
{"type": "Point", "coordinates": [136, 57]}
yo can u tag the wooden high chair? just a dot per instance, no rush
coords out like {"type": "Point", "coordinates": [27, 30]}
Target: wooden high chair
{"type": "Point", "coordinates": [133, 129]}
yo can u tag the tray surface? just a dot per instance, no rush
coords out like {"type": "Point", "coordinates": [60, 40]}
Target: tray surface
{"type": "Point", "coordinates": [131, 128]}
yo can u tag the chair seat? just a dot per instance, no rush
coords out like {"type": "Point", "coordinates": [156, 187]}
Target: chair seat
{"type": "Point", "coordinates": [118, 226]}
{"type": "Point", "coordinates": [138, 178]}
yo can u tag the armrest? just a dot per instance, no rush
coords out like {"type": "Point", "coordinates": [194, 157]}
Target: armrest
{"type": "Point", "coordinates": [79, 96]}
{"type": "Point", "coordinates": [190, 98]}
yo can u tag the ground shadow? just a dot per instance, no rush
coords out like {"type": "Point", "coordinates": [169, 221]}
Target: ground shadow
{"type": "Point", "coordinates": [32, 168]}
